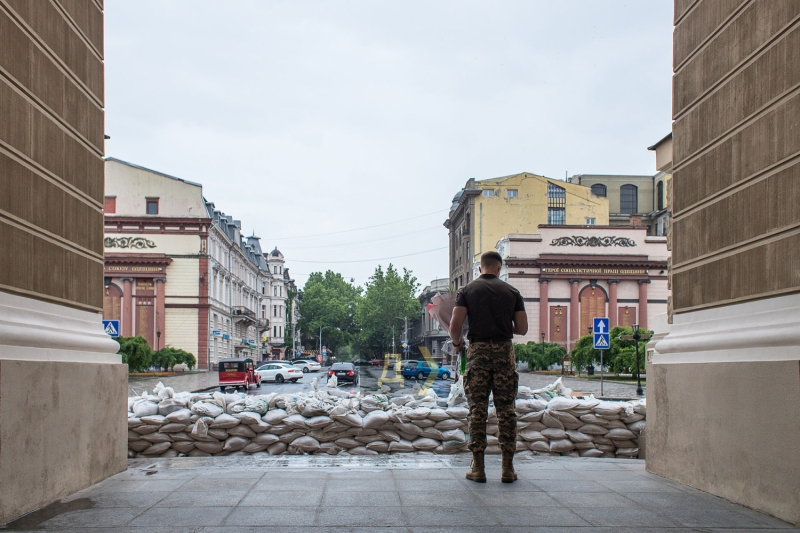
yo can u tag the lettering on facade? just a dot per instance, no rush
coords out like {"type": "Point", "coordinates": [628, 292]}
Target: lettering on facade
{"type": "Point", "coordinates": [134, 269]}
{"type": "Point", "coordinates": [601, 271]}
{"type": "Point", "coordinates": [593, 241]}
{"type": "Point", "coordinates": [138, 243]}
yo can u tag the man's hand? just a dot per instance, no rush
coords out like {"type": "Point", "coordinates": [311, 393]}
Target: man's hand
{"type": "Point", "coordinates": [456, 325]}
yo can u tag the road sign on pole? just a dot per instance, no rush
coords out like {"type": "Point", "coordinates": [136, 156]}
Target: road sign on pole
{"type": "Point", "coordinates": [111, 327]}
{"type": "Point", "coordinates": [602, 338]}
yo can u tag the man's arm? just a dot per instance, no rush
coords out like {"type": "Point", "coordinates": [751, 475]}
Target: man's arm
{"type": "Point", "coordinates": [520, 323]}
{"type": "Point", "coordinates": [456, 325]}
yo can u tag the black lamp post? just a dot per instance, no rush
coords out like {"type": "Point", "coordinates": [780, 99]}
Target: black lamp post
{"type": "Point", "coordinates": [543, 347]}
{"type": "Point", "coordinates": [636, 337]}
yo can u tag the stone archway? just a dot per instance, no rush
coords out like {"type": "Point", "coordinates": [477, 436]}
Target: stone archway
{"type": "Point", "coordinates": [593, 304]}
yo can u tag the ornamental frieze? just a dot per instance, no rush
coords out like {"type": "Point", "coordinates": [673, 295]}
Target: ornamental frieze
{"type": "Point", "coordinates": [138, 243]}
{"type": "Point", "coordinates": [594, 241]}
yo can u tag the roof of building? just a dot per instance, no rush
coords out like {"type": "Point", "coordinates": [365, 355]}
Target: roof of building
{"type": "Point", "coordinates": [276, 253]}
{"type": "Point", "coordinates": [666, 138]}
{"type": "Point", "coordinates": [115, 160]}
{"type": "Point", "coordinates": [250, 246]}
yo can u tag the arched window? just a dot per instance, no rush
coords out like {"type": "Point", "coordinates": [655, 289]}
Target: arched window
{"type": "Point", "coordinates": [660, 196]}
{"type": "Point", "coordinates": [598, 189]}
{"type": "Point", "coordinates": [629, 199]}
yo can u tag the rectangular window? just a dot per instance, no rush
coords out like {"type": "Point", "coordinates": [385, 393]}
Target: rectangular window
{"type": "Point", "coordinates": [152, 206]}
{"type": "Point", "coordinates": [274, 291]}
{"type": "Point", "coordinates": [280, 291]}
{"type": "Point", "coordinates": [488, 193]}
{"type": "Point", "coordinates": [591, 221]}
{"type": "Point", "coordinates": [556, 216]}
{"type": "Point", "coordinates": [110, 205]}
{"type": "Point", "coordinates": [263, 311]}
{"type": "Point", "coordinates": [274, 331]}
{"type": "Point", "coordinates": [274, 310]}
{"type": "Point", "coordinates": [511, 193]}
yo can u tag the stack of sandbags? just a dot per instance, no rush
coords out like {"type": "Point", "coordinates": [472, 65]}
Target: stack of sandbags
{"type": "Point", "coordinates": [335, 422]}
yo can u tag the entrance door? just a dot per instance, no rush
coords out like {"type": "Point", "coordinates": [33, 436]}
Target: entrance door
{"type": "Point", "coordinates": [558, 325]}
{"type": "Point", "coordinates": [593, 304]}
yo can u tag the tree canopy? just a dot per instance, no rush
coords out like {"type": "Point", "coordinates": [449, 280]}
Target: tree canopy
{"type": "Point", "coordinates": [389, 298]}
{"type": "Point", "coordinates": [330, 302]}
{"type": "Point", "coordinates": [540, 356]}
{"type": "Point", "coordinates": [135, 352]}
{"type": "Point", "coordinates": [620, 358]}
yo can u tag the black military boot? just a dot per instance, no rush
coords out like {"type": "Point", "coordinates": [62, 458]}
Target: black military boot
{"type": "Point", "coordinates": [477, 472]}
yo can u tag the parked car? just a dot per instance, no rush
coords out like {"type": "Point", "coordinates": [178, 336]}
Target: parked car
{"type": "Point", "coordinates": [307, 365]}
{"type": "Point", "coordinates": [344, 372]}
{"type": "Point", "coordinates": [422, 369]}
{"type": "Point", "coordinates": [279, 372]}
{"type": "Point", "coordinates": [377, 362]}
{"type": "Point", "coordinates": [361, 362]}
{"type": "Point", "coordinates": [405, 362]}
{"type": "Point", "coordinates": [237, 372]}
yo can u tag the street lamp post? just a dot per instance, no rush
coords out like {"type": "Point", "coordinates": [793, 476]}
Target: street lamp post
{"type": "Point", "coordinates": [562, 363]}
{"type": "Point", "coordinates": [636, 337]}
{"type": "Point", "coordinates": [602, 389]}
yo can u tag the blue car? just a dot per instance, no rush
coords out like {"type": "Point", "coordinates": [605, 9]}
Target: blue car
{"type": "Point", "coordinates": [423, 369]}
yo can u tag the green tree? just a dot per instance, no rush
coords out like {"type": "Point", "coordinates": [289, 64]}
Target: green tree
{"type": "Point", "coordinates": [169, 356]}
{"type": "Point", "coordinates": [583, 353]}
{"type": "Point", "coordinates": [622, 353]}
{"type": "Point", "coordinates": [540, 356]}
{"type": "Point", "coordinates": [135, 352]}
{"type": "Point", "coordinates": [389, 297]}
{"type": "Point", "coordinates": [330, 302]}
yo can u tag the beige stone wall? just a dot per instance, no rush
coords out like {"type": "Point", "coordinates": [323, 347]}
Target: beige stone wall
{"type": "Point", "coordinates": [61, 430]}
{"type": "Point", "coordinates": [731, 429]}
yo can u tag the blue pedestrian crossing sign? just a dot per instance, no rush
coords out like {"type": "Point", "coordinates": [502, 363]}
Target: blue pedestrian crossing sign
{"type": "Point", "coordinates": [602, 337]}
{"type": "Point", "coordinates": [111, 327]}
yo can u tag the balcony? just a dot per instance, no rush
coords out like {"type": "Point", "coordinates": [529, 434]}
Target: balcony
{"type": "Point", "coordinates": [262, 324]}
{"type": "Point", "coordinates": [241, 314]}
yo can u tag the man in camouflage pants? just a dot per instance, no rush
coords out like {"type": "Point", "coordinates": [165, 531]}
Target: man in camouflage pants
{"type": "Point", "coordinates": [496, 312]}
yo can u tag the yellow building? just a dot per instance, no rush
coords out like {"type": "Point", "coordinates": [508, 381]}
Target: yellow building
{"type": "Point", "coordinates": [486, 210]}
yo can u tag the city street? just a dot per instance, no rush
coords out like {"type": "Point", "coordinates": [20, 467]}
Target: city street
{"type": "Point", "coordinates": [406, 493]}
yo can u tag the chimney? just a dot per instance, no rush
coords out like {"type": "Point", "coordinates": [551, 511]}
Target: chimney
{"type": "Point", "coordinates": [636, 220]}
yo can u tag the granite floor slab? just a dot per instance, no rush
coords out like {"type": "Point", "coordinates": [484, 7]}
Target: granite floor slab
{"type": "Point", "coordinates": [408, 493]}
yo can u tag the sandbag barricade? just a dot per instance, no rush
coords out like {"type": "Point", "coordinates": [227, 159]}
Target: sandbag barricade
{"type": "Point", "coordinates": [549, 422]}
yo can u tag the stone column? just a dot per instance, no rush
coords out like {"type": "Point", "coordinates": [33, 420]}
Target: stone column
{"type": "Point", "coordinates": [544, 309]}
{"type": "Point", "coordinates": [161, 340]}
{"type": "Point", "coordinates": [643, 283]}
{"type": "Point", "coordinates": [127, 307]}
{"type": "Point", "coordinates": [574, 312]}
{"type": "Point", "coordinates": [613, 315]}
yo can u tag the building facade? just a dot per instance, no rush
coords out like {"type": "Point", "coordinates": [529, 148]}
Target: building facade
{"type": "Point", "coordinates": [570, 274]}
{"type": "Point", "coordinates": [57, 366]}
{"type": "Point", "coordinates": [660, 218]}
{"type": "Point", "coordinates": [179, 272]}
{"type": "Point", "coordinates": [486, 210]}
{"type": "Point", "coordinates": [735, 272]}
{"type": "Point", "coordinates": [427, 336]}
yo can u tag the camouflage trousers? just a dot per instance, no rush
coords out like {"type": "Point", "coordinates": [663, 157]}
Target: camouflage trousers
{"type": "Point", "coordinates": [491, 368]}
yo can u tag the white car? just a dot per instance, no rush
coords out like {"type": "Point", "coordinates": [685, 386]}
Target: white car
{"type": "Point", "coordinates": [279, 372]}
{"type": "Point", "coordinates": [307, 365]}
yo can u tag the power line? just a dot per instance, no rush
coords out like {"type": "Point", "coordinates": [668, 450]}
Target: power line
{"type": "Point", "coordinates": [358, 229]}
{"type": "Point", "coordinates": [378, 259]}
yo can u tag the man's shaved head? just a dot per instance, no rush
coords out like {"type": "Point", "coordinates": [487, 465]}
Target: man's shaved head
{"type": "Point", "coordinates": [491, 260]}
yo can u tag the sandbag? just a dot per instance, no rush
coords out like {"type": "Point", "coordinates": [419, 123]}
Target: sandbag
{"type": "Point", "coordinates": [306, 443]}
{"type": "Point", "coordinates": [418, 413]}
{"type": "Point", "coordinates": [554, 433]}
{"type": "Point", "coordinates": [453, 435]}
{"type": "Point", "coordinates": [561, 445]}
{"type": "Point", "coordinates": [253, 447]}
{"type": "Point", "coordinates": [620, 434]}
{"type": "Point", "coordinates": [577, 436]}
{"type": "Point", "coordinates": [375, 419]}
{"type": "Point", "coordinates": [380, 446]}
{"type": "Point", "coordinates": [169, 405]}
{"type": "Point", "coordinates": [173, 428]}
{"type": "Point", "coordinates": [139, 445]}
{"type": "Point", "coordinates": [183, 446]}
{"type": "Point", "coordinates": [180, 416]}
{"type": "Point", "coordinates": [403, 446]}
{"type": "Point", "coordinates": [144, 430]}
{"type": "Point", "coordinates": [531, 435]}
{"type": "Point", "coordinates": [144, 408]}
{"type": "Point", "coordinates": [533, 416]}
{"type": "Point", "coordinates": [154, 420]}
{"type": "Point", "coordinates": [317, 422]}
{"type": "Point", "coordinates": [347, 442]}
{"type": "Point", "coordinates": [560, 403]}
{"type": "Point", "coordinates": [592, 429]}
{"type": "Point", "coordinates": [424, 443]}
{"type": "Point", "coordinates": [594, 419]}
{"type": "Point", "coordinates": [274, 416]}
{"type": "Point", "coordinates": [637, 427]}
{"type": "Point", "coordinates": [551, 422]}
{"type": "Point", "coordinates": [458, 412]}
{"type": "Point", "coordinates": [266, 439]}
{"type": "Point", "coordinates": [207, 409]}
{"type": "Point", "coordinates": [297, 421]}
{"type": "Point", "coordinates": [539, 446]}
{"type": "Point", "coordinates": [409, 428]}
{"type": "Point", "coordinates": [157, 449]}
{"type": "Point", "coordinates": [209, 446]}
{"type": "Point", "coordinates": [242, 431]}
{"type": "Point", "coordinates": [437, 415]}
{"type": "Point", "coordinates": [361, 450]}
{"type": "Point", "coordinates": [134, 422]}
{"type": "Point", "coordinates": [448, 424]}
{"type": "Point", "coordinates": [217, 433]}
{"type": "Point", "coordinates": [233, 444]}
{"type": "Point", "coordinates": [569, 421]}
{"type": "Point", "coordinates": [277, 448]}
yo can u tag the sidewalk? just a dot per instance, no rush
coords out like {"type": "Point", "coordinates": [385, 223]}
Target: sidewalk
{"type": "Point", "coordinates": [187, 382]}
{"type": "Point", "coordinates": [615, 390]}
{"type": "Point", "coordinates": [398, 493]}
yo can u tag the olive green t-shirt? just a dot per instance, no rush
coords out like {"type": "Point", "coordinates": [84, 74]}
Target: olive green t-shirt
{"type": "Point", "coordinates": [491, 304]}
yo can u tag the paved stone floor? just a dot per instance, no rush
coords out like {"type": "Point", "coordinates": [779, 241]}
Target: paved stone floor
{"type": "Point", "coordinates": [398, 493]}
{"type": "Point", "coordinates": [610, 389]}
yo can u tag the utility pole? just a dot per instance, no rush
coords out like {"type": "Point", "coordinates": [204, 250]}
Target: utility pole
{"type": "Point", "coordinates": [320, 340]}
{"type": "Point", "coordinates": [393, 348]}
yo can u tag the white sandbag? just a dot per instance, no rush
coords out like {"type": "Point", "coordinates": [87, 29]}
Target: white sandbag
{"type": "Point", "coordinates": [274, 416]}
{"type": "Point", "coordinates": [169, 405]}
{"type": "Point", "coordinates": [145, 408]}
{"type": "Point", "coordinates": [134, 422]}
{"type": "Point", "coordinates": [640, 407]}
{"type": "Point", "coordinates": [200, 429]}
{"type": "Point", "coordinates": [176, 437]}
{"type": "Point", "coordinates": [277, 448]}
{"type": "Point", "coordinates": [154, 420]}
{"type": "Point", "coordinates": [424, 443]}
{"type": "Point", "coordinates": [492, 429]}
{"type": "Point", "coordinates": [424, 423]}
{"type": "Point", "coordinates": [347, 442]}
{"type": "Point", "coordinates": [173, 428]}
{"type": "Point", "coordinates": [624, 443]}
{"type": "Point", "coordinates": [242, 431]}
{"type": "Point", "coordinates": [551, 422]}
{"type": "Point", "coordinates": [560, 403]}
{"type": "Point", "coordinates": [331, 448]}
{"type": "Point", "coordinates": [409, 428]}
{"type": "Point", "coordinates": [157, 437]}
{"type": "Point", "coordinates": [491, 440]}
{"type": "Point", "coordinates": [539, 446]}
{"type": "Point", "coordinates": [533, 416]}
{"type": "Point", "coordinates": [532, 435]}
{"type": "Point", "coordinates": [351, 419]}
{"type": "Point", "coordinates": [361, 450]}
{"type": "Point", "coordinates": [252, 448]}
{"type": "Point", "coordinates": [594, 419]}
{"type": "Point", "coordinates": [313, 408]}
{"type": "Point", "coordinates": [577, 436]}
{"type": "Point", "coordinates": [431, 433]}
{"type": "Point", "coordinates": [521, 445]}
{"type": "Point", "coordinates": [144, 430]}
{"type": "Point", "coordinates": [524, 406]}
{"type": "Point", "coordinates": [371, 402]}
{"type": "Point", "coordinates": [459, 412]}
{"type": "Point", "coordinates": [306, 443]}
{"type": "Point", "coordinates": [524, 393]}
{"type": "Point", "coordinates": [418, 413]}
{"type": "Point", "coordinates": [218, 433]}
{"type": "Point", "coordinates": [248, 418]}
{"type": "Point", "coordinates": [266, 439]}
{"type": "Point", "coordinates": [139, 445]}
{"type": "Point", "coordinates": [592, 429]}
{"type": "Point", "coordinates": [183, 446]}
{"type": "Point", "coordinates": [637, 427]}
{"type": "Point", "coordinates": [438, 414]}
{"type": "Point", "coordinates": [569, 421]}
{"type": "Point", "coordinates": [608, 408]}
{"type": "Point", "coordinates": [297, 421]}
{"type": "Point", "coordinates": [620, 434]}
{"type": "Point", "coordinates": [599, 439]}
{"type": "Point", "coordinates": [375, 419]}
{"type": "Point", "coordinates": [380, 446]}
{"type": "Point", "coordinates": [628, 451]}
{"type": "Point", "coordinates": [293, 434]}
{"type": "Point", "coordinates": [453, 435]}
{"type": "Point", "coordinates": [616, 424]}
{"type": "Point", "coordinates": [584, 445]}
{"type": "Point", "coordinates": [210, 446]}
{"type": "Point", "coordinates": [389, 435]}
{"type": "Point", "coordinates": [403, 446]}
{"type": "Point", "coordinates": [207, 409]}
{"type": "Point", "coordinates": [180, 416]}
{"type": "Point", "coordinates": [448, 424]}
{"type": "Point", "coordinates": [366, 439]}
{"type": "Point", "coordinates": [157, 449]}
{"type": "Point", "coordinates": [280, 429]}
{"type": "Point", "coordinates": [635, 417]}
{"type": "Point", "coordinates": [561, 445]}
{"type": "Point", "coordinates": [318, 422]}
{"type": "Point", "coordinates": [554, 433]}
{"type": "Point", "coordinates": [233, 444]}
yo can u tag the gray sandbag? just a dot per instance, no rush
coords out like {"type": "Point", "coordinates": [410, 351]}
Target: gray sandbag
{"type": "Point", "coordinates": [134, 422]}
{"type": "Point", "coordinates": [569, 421]}
{"type": "Point", "coordinates": [404, 446]}
{"type": "Point", "coordinates": [554, 433]}
{"type": "Point", "coordinates": [224, 421]}
{"type": "Point", "coordinates": [577, 436]}
{"type": "Point", "coordinates": [274, 416]}
{"type": "Point", "coordinates": [169, 405]}
{"type": "Point", "coordinates": [293, 434]}
{"type": "Point", "coordinates": [266, 439]}
{"type": "Point", "coordinates": [592, 418]}
{"type": "Point", "coordinates": [375, 419]}
{"type": "Point", "coordinates": [254, 447]}
{"type": "Point", "coordinates": [242, 431]}
{"type": "Point", "coordinates": [317, 422]}
{"type": "Point", "coordinates": [620, 434]}
{"type": "Point", "coordinates": [593, 452]}
{"type": "Point", "coordinates": [181, 437]}
{"type": "Point", "coordinates": [144, 430]}
{"type": "Point", "coordinates": [173, 428]}
{"type": "Point", "coordinates": [157, 437]}
{"type": "Point", "coordinates": [297, 421]}
{"type": "Point", "coordinates": [157, 449]}
{"type": "Point", "coordinates": [277, 448]}
{"type": "Point", "coordinates": [438, 414]}
{"type": "Point", "coordinates": [361, 450]}
{"type": "Point", "coordinates": [380, 446]}
{"type": "Point", "coordinates": [450, 423]}
{"type": "Point", "coordinates": [533, 416]}
{"type": "Point", "coordinates": [409, 428]}
{"type": "Point", "coordinates": [139, 445]}
{"type": "Point", "coordinates": [531, 435]}
{"type": "Point", "coordinates": [154, 420]}
{"type": "Point", "coordinates": [180, 416]}
{"type": "Point", "coordinates": [183, 446]}
{"type": "Point", "coordinates": [234, 444]}
{"type": "Point", "coordinates": [458, 412]}
{"type": "Point", "coordinates": [539, 446]}
{"type": "Point", "coordinates": [209, 446]}
{"type": "Point", "coordinates": [551, 422]}
{"type": "Point", "coordinates": [144, 408]}
{"type": "Point", "coordinates": [219, 434]}
{"type": "Point", "coordinates": [593, 429]}
{"type": "Point", "coordinates": [424, 443]}
{"type": "Point", "coordinates": [561, 445]}
{"type": "Point", "coordinates": [306, 443]}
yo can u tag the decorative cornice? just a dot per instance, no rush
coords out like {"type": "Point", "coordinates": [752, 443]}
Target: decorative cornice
{"type": "Point", "coordinates": [643, 281]}
{"type": "Point", "coordinates": [138, 243]}
{"type": "Point", "coordinates": [594, 241]}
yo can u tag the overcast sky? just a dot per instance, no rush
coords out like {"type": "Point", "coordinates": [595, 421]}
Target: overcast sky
{"type": "Point", "coordinates": [311, 117]}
